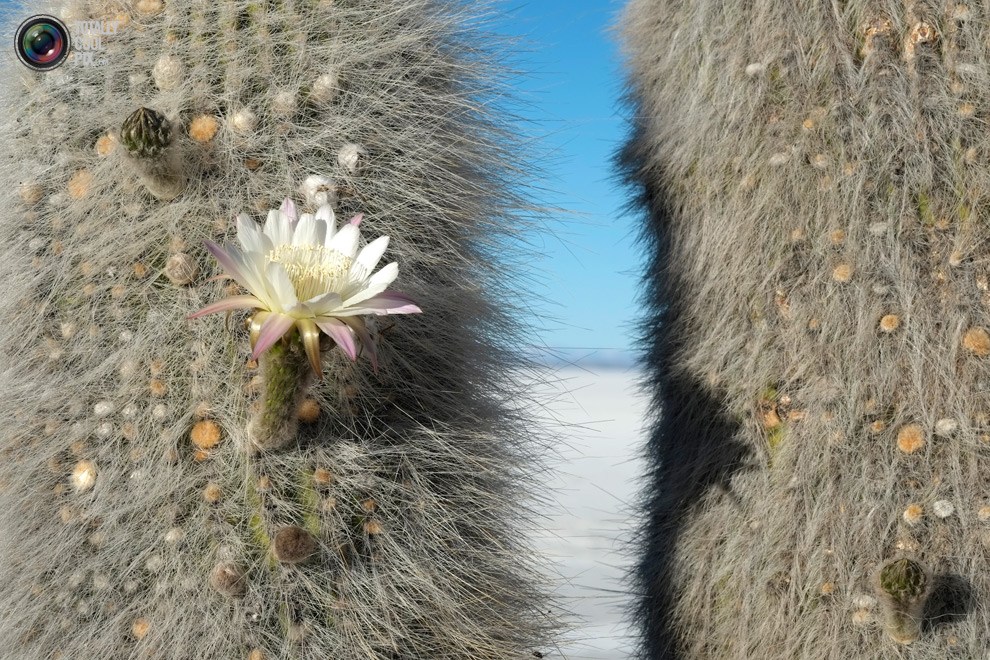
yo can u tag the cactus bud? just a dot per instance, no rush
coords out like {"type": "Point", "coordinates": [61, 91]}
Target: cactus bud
{"type": "Point", "coordinates": [904, 579]}
{"type": "Point", "coordinates": [146, 133]}
{"type": "Point", "coordinates": [903, 586]}
{"type": "Point", "coordinates": [147, 137]}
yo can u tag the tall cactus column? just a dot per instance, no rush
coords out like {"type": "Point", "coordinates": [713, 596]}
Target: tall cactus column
{"type": "Point", "coordinates": [318, 471]}
{"type": "Point", "coordinates": [814, 179]}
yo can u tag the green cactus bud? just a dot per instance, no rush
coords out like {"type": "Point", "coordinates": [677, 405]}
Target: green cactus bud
{"type": "Point", "coordinates": [146, 133]}
{"type": "Point", "coordinates": [904, 579]}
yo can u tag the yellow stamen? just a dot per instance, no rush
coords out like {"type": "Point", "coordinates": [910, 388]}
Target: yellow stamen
{"type": "Point", "coordinates": [313, 269]}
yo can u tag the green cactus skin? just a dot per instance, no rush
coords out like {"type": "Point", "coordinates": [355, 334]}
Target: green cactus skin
{"type": "Point", "coordinates": [138, 517]}
{"type": "Point", "coordinates": [285, 376]}
{"type": "Point", "coordinates": [814, 178]}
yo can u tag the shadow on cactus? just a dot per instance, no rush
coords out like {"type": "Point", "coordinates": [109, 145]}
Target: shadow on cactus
{"type": "Point", "coordinates": [691, 449]}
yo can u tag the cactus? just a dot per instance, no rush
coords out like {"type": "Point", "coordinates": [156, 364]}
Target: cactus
{"type": "Point", "coordinates": [814, 183]}
{"type": "Point", "coordinates": [146, 136]}
{"type": "Point", "coordinates": [384, 514]}
{"type": "Point", "coordinates": [903, 585]}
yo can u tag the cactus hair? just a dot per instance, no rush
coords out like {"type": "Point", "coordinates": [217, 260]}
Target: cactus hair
{"type": "Point", "coordinates": [136, 522]}
{"type": "Point", "coordinates": [812, 180]}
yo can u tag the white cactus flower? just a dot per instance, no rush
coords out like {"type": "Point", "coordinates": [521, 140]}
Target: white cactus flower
{"type": "Point", "coordinates": [303, 272]}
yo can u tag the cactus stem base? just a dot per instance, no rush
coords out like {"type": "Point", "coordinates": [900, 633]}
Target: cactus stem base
{"type": "Point", "coordinates": [286, 374]}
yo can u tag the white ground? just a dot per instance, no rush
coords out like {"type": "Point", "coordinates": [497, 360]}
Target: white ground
{"type": "Point", "coordinates": [595, 485]}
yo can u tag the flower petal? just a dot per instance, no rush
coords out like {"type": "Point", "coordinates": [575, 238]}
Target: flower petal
{"type": "Point", "coordinates": [323, 304]}
{"type": "Point", "coordinates": [239, 268]}
{"type": "Point", "coordinates": [388, 302]}
{"type": "Point", "coordinates": [254, 327]}
{"type": "Point", "coordinates": [310, 334]}
{"type": "Point", "coordinates": [272, 330]}
{"type": "Point", "coordinates": [325, 213]}
{"type": "Point", "coordinates": [254, 264]}
{"type": "Point", "coordinates": [234, 302]}
{"type": "Point", "coordinates": [308, 231]}
{"type": "Point", "coordinates": [386, 275]}
{"type": "Point", "coordinates": [375, 284]}
{"type": "Point", "coordinates": [288, 209]}
{"type": "Point", "coordinates": [250, 237]}
{"type": "Point", "coordinates": [277, 229]}
{"type": "Point", "coordinates": [367, 344]}
{"type": "Point", "coordinates": [283, 293]}
{"type": "Point", "coordinates": [345, 240]}
{"type": "Point", "coordinates": [341, 333]}
{"type": "Point", "coordinates": [368, 258]}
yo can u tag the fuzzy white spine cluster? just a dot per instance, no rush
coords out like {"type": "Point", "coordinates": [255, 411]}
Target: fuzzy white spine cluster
{"type": "Point", "coordinates": [135, 520]}
{"type": "Point", "coordinates": [815, 178]}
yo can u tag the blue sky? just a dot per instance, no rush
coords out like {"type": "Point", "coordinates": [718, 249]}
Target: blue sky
{"type": "Point", "coordinates": [572, 85]}
{"type": "Point", "coordinates": [570, 92]}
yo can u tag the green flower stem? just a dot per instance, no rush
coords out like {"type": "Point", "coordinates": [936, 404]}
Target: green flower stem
{"type": "Point", "coordinates": [286, 373]}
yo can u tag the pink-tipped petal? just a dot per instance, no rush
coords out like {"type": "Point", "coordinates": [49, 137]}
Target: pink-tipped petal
{"type": "Point", "coordinates": [310, 334]}
{"type": "Point", "coordinates": [387, 302]}
{"type": "Point", "coordinates": [341, 333]}
{"type": "Point", "coordinates": [250, 236]}
{"type": "Point", "coordinates": [234, 302]}
{"type": "Point", "coordinates": [356, 220]}
{"type": "Point", "coordinates": [236, 266]}
{"type": "Point", "coordinates": [272, 330]}
{"type": "Point", "coordinates": [288, 209]}
{"type": "Point", "coordinates": [367, 343]}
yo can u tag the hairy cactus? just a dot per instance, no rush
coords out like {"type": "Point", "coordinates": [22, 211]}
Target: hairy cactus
{"type": "Point", "coordinates": [816, 188]}
{"type": "Point", "coordinates": [903, 586]}
{"type": "Point", "coordinates": [387, 517]}
{"type": "Point", "coordinates": [146, 136]}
